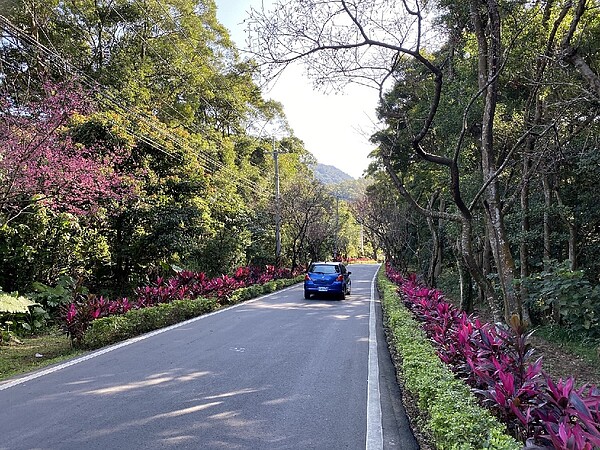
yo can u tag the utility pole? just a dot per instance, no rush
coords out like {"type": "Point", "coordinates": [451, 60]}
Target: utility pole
{"type": "Point", "coordinates": [362, 240]}
{"type": "Point", "coordinates": [337, 225]}
{"type": "Point", "coordinates": [277, 207]}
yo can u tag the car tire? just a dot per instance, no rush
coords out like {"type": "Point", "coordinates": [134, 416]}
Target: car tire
{"type": "Point", "coordinates": [349, 290]}
{"type": "Point", "coordinates": [343, 295]}
{"type": "Point", "coordinates": [306, 295]}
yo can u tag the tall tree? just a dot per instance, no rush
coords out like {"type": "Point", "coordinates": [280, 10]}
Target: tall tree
{"type": "Point", "coordinates": [390, 45]}
{"type": "Point", "coordinates": [169, 86]}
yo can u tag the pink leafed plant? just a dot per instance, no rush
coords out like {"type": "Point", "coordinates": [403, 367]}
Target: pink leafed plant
{"type": "Point", "coordinates": [497, 361]}
{"type": "Point", "coordinates": [190, 285]}
{"type": "Point", "coordinates": [40, 163]}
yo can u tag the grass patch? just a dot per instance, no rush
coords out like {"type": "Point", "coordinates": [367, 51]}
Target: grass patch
{"type": "Point", "coordinates": [19, 358]}
{"type": "Point", "coordinates": [582, 346]}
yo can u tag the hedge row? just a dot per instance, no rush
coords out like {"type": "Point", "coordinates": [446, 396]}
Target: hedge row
{"type": "Point", "coordinates": [450, 414]}
{"type": "Point", "coordinates": [113, 329]}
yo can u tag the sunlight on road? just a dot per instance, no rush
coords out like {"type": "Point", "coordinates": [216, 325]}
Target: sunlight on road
{"type": "Point", "coordinates": [281, 401]}
{"type": "Point", "coordinates": [130, 386]}
{"type": "Point", "coordinates": [151, 381]}
{"type": "Point", "coordinates": [231, 394]}
{"type": "Point", "coordinates": [294, 305]}
{"type": "Point", "coordinates": [190, 410]}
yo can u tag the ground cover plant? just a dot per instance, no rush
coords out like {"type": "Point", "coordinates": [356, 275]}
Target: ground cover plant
{"type": "Point", "coordinates": [500, 366]}
{"type": "Point", "coordinates": [184, 285]}
{"type": "Point", "coordinates": [444, 412]}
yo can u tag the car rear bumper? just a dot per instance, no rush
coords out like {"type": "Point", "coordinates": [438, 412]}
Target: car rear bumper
{"type": "Point", "coordinates": [335, 288]}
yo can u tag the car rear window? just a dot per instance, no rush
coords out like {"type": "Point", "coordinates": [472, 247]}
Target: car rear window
{"type": "Point", "coordinates": [324, 268]}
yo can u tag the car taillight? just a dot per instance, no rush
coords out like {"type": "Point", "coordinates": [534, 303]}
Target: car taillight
{"type": "Point", "coordinates": [340, 278]}
{"type": "Point", "coordinates": [306, 277]}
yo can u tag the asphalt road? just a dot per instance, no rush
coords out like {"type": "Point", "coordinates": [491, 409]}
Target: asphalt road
{"type": "Point", "coordinates": [278, 372]}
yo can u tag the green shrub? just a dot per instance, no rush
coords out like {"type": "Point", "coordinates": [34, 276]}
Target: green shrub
{"type": "Point", "coordinates": [112, 329]}
{"type": "Point", "coordinates": [54, 298]}
{"type": "Point", "coordinates": [252, 291]}
{"type": "Point", "coordinates": [109, 330]}
{"type": "Point", "coordinates": [450, 413]}
{"type": "Point", "coordinates": [269, 287]}
{"type": "Point", "coordinates": [560, 294]}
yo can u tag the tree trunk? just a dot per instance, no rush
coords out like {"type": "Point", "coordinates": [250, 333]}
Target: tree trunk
{"type": "Point", "coordinates": [546, 219]}
{"type": "Point", "coordinates": [533, 118]}
{"type": "Point", "coordinates": [486, 263]}
{"type": "Point", "coordinates": [525, 229]}
{"type": "Point", "coordinates": [435, 244]}
{"type": "Point", "coordinates": [482, 281]}
{"type": "Point", "coordinates": [572, 246]}
{"type": "Point", "coordinates": [440, 250]}
{"type": "Point", "coordinates": [570, 221]}
{"type": "Point", "coordinates": [489, 67]}
{"type": "Point", "coordinates": [466, 292]}
{"type": "Point", "coordinates": [504, 262]}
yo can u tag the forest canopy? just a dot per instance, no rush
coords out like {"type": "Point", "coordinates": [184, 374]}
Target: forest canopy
{"type": "Point", "coordinates": [489, 137]}
{"type": "Point", "coordinates": [132, 142]}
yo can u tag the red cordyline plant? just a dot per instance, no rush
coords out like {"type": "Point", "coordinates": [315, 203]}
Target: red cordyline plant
{"type": "Point", "coordinates": [495, 360]}
{"type": "Point", "coordinates": [78, 315]}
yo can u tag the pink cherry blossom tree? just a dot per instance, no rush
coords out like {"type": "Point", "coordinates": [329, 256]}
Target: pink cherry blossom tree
{"type": "Point", "coordinates": [41, 163]}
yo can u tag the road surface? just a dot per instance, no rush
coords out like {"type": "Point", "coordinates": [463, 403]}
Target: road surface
{"type": "Point", "coordinates": [278, 372]}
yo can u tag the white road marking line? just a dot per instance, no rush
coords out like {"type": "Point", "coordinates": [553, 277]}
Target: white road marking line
{"type": "Point", "coordinates": [374, 425]}
{"type": "Point", "coordinates": [111, 348]}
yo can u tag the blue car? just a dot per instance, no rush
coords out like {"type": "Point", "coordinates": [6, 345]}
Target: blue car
{"type": "Point", "coordinates": [327, 278]}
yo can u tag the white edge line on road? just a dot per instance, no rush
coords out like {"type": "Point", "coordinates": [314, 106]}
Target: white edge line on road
{"type": "Point", "coordinates": [374, 425]}
{"type": "Point", "coordinates": [43, 372]}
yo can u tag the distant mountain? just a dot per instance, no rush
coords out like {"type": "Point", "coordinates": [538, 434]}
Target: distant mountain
{"type": "Point", "coordinates": [340, 183]}
{"type": "Point", "coordinates": [330, 174]}
{"type": "Point", "coordinates": [350, 190]}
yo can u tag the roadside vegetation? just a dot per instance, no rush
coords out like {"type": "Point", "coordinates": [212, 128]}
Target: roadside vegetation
{"type": "Point", "coordinates": [502, 369]}
{"type": "Point", "coordinates": [136, 146]}
{"type": "Point", "coordinates": [113, 329]}
{"type": "Point", "coordinates": [440, 406]}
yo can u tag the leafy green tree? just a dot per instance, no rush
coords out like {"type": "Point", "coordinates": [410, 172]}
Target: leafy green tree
{"type": "Point", "coordinates": [171, 90]}
{"type": "Point", "coordinates": [347, 235]}
{"type": "Point", "coordinates": [305, 213]}
{"type": "Point", "coordinates": [479, 105]}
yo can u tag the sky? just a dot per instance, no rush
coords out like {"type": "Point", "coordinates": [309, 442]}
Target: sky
{"type": "Point", "coordinates": [334, 127]}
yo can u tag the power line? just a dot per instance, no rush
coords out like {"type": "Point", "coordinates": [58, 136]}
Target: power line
{"type": "Point", "coordinates": [184, 53]}
{"type": "Point", "coordinates": [114, 102]}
